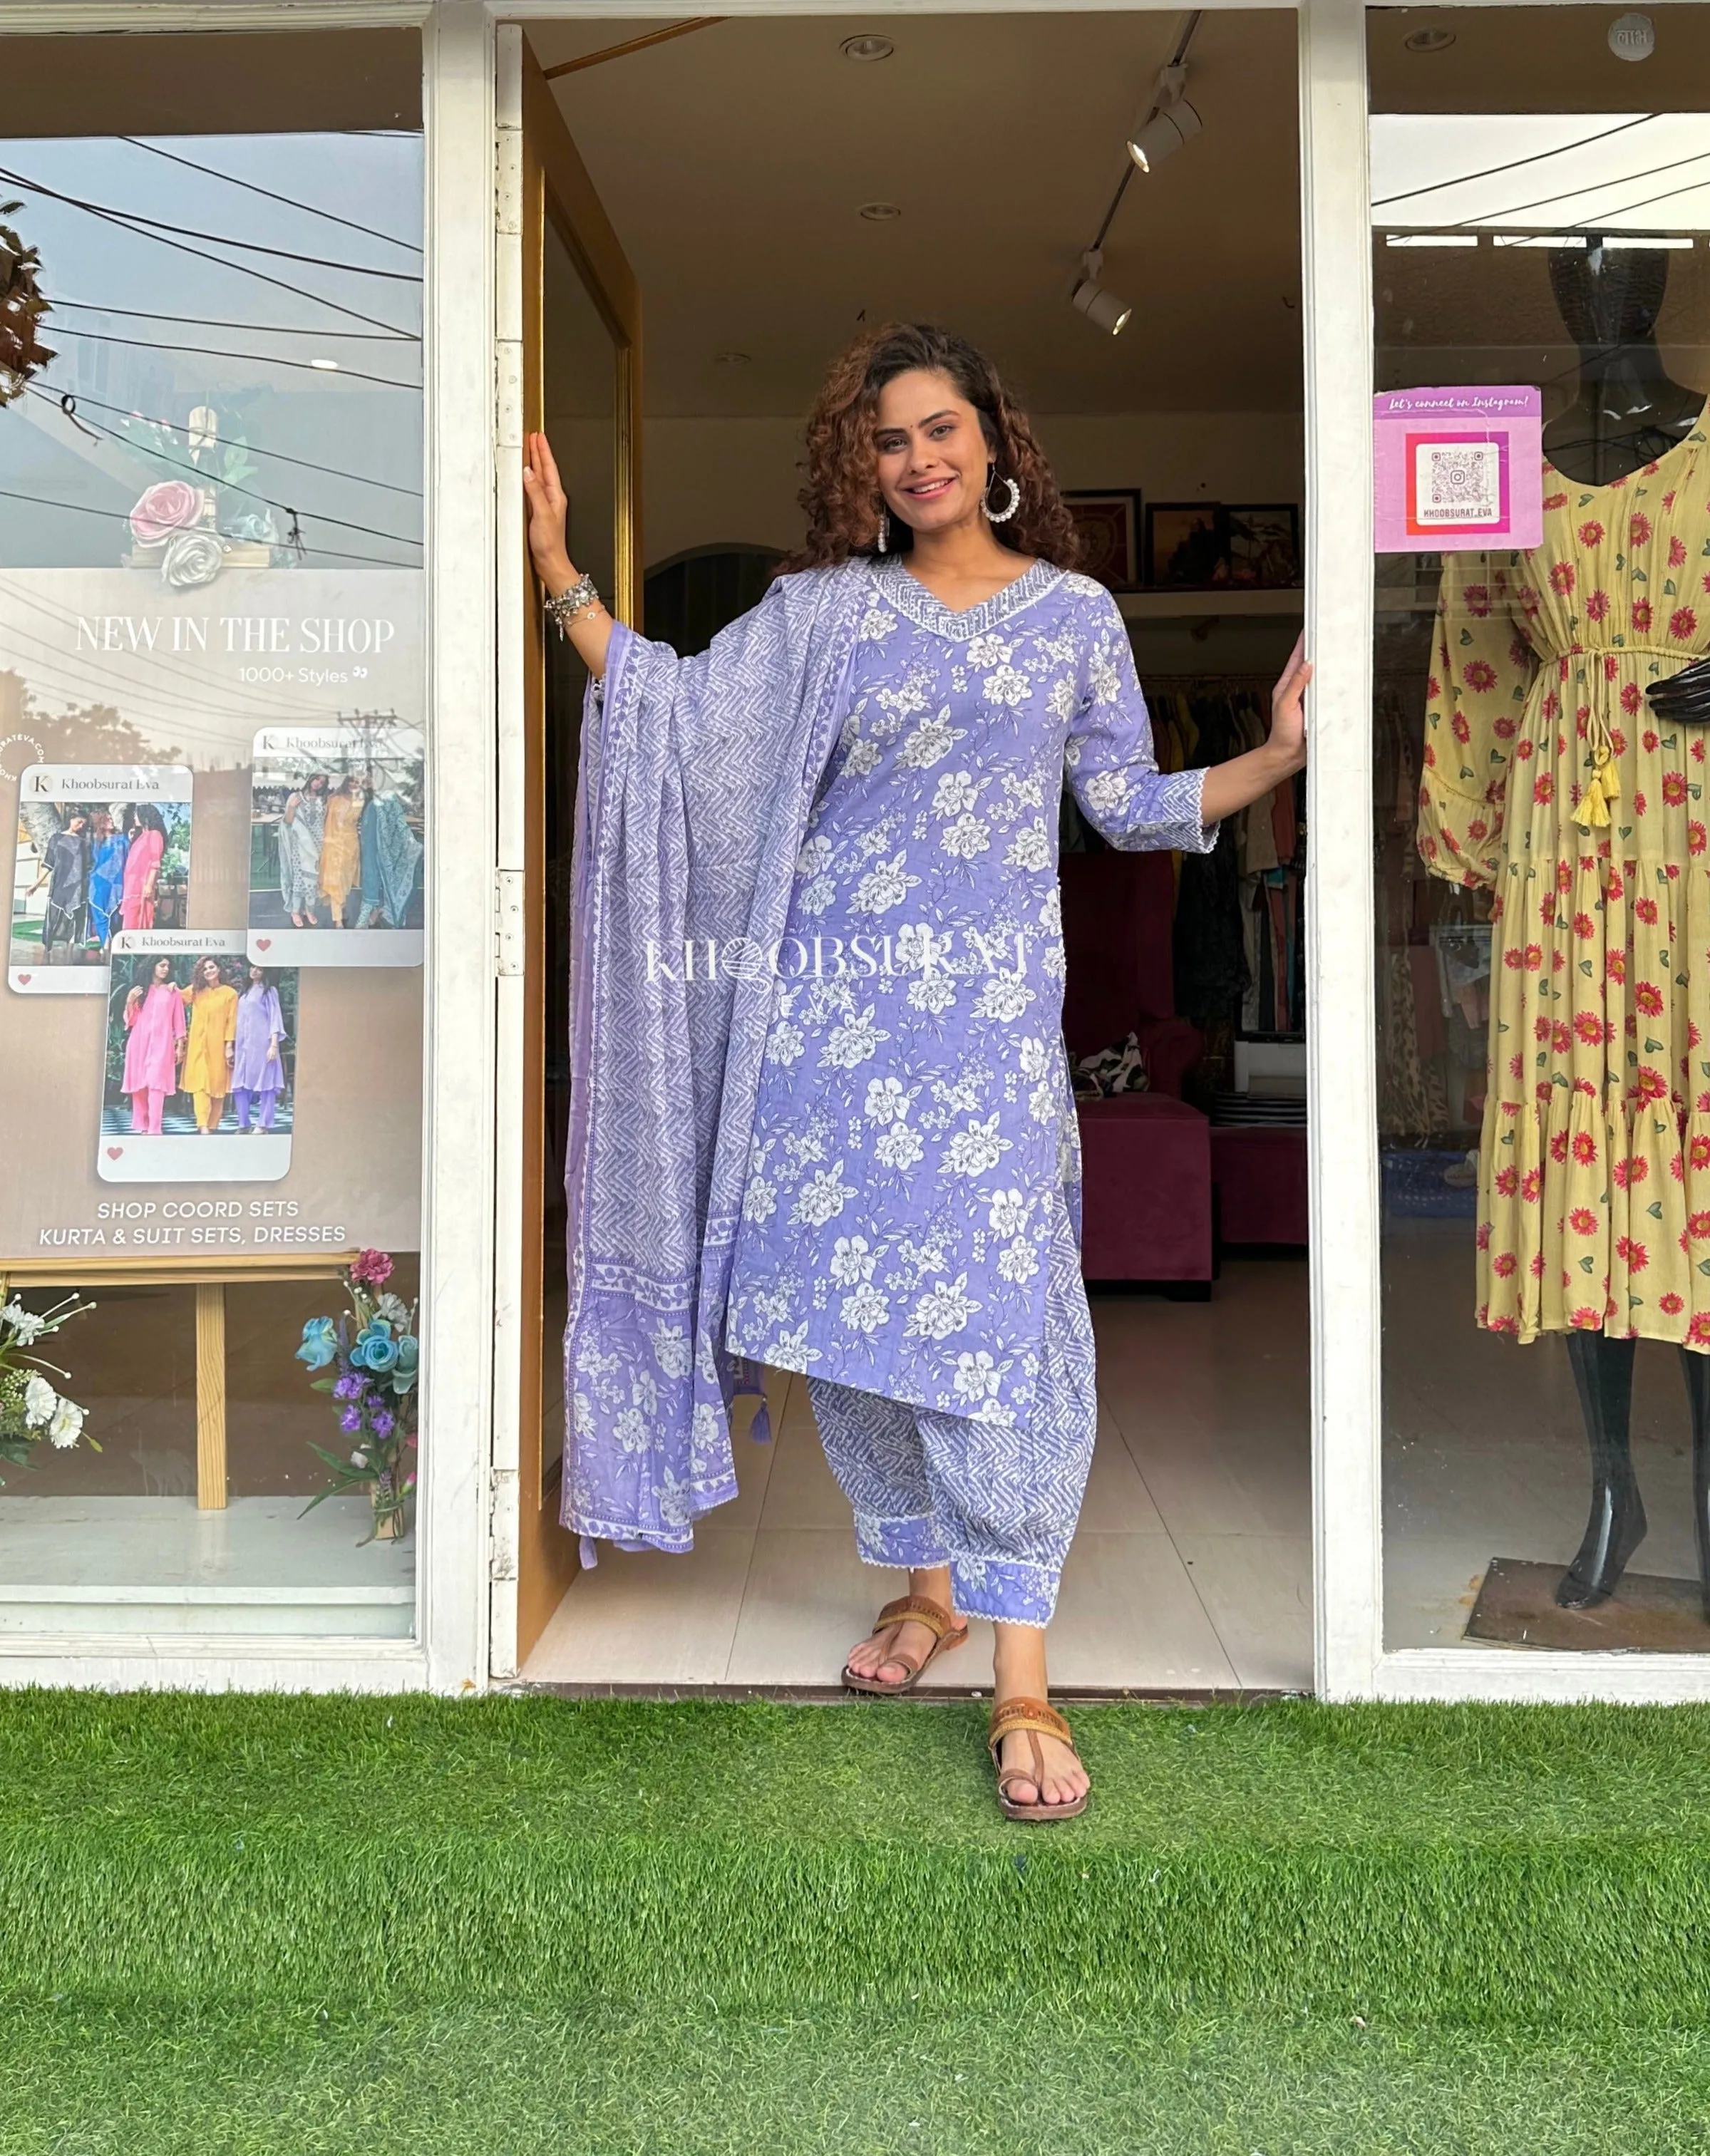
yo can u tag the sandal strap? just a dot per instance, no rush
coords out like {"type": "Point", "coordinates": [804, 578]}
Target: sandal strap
{"type": "Point", "coordinates": [1034, 1773]}
{"type": "Point", "coordinates": [917, 1610]}
{"type": "Point", "coordinates": [1026, 1714]}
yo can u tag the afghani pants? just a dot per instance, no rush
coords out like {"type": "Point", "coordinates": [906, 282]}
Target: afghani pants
{"type": "Point", "coordinates": [997, 1503]}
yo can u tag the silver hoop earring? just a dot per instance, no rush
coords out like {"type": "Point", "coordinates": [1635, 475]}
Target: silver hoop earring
{"type": "Point", "coordinates": [883, 530]}
{"type": "Point", "coordinates": [1000, 516]}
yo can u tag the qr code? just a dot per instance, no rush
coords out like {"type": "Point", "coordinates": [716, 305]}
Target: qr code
{"type": "Point", "coordinates": [1458, 483]}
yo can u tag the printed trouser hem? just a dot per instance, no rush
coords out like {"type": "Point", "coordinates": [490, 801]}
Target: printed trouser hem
{"type": "Point", "coordinates": [913, 1544]}
{"type": "Point", "coordinates": [1003, 1590]}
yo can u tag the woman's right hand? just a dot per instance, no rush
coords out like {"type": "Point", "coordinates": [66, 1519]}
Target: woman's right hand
{"type": "Point", "coordinates": [590, 627]}
{"type": "Point", "coordinates": [548, 512]}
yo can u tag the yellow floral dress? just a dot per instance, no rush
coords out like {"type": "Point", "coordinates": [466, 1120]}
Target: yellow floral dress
{"type": "Point", "coordinates": [1549, 782]}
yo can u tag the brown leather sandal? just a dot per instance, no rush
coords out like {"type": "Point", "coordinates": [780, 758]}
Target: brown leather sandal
{"type": "Point", "coordinates": [910, 1608]}
{"type": "Point", "coordinates": [1029, 1715]}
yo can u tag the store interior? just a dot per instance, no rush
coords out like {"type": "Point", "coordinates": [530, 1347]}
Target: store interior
{"type": "Point", "coordinates": [775, 186]}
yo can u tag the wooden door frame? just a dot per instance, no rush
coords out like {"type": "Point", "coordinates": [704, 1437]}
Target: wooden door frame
{"type": "Point", "coordinates": [555, 191]}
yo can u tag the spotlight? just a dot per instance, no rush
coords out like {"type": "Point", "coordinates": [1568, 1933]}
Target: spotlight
{"type": "Point", "coordinates": [868, 48]}
{"type": "Point", "coordinates": [1102, 309]}
{"type": "Point", "coordinates": [1164, 133]}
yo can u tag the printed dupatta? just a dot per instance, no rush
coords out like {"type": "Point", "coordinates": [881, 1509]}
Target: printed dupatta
{"type": "Point", "coordinates": [693, 793]}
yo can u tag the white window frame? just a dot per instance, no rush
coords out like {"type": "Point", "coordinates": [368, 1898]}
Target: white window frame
{"type": "Point", "coordinates": [449, 1652]}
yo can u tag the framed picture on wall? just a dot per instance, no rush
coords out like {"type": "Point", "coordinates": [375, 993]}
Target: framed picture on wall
{"type": "Point", "coordinates": [1185, 544]}
{"type": "Point", "coordinates": [1107, 524]}
{"type": "Point", "coordinates": [1263, 543]}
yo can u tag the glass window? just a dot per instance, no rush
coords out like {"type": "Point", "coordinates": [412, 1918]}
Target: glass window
{"type": "Point", "coordinates": [212, 756]}
{"type": "Point", "coordinates": [1541, 237]}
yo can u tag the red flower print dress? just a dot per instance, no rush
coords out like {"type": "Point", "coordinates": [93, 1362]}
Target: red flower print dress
{"type": "Point", "coordinates": [1549, 781]}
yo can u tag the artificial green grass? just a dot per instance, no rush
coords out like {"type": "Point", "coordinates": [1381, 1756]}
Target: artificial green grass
{"type": "Point", "coordinates": [921, 2074]}
{"type": "Point", "coordinates": [1479, 1867]}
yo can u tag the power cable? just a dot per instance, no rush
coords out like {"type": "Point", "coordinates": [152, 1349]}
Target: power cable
{"type": "Point", "coordinates": [1565, 194]}
{"type": "Point", "coordinates": [241, 269]}
{"type": "Point", "coordinates": [231, 179]}
{"type": "Point", "coordinates": [1490, 172]}
{"type": "Point", "coordinates": [210, 322]}
{"type": "Point", "coordinates": [254, 358]}
{"type": "Point", "coordinates": [216, 239]}
{"type": "Point", "coordinates": [195, 472]}
{"type": "Point", "coordinates": [355, 479]}
{"type": "Point", "coordinates": [82, 508]}
{"type": "Point", "coordinates": [1627, 209]}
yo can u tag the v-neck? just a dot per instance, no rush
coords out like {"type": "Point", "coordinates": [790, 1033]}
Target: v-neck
{"type": "Point", "coordinates": [910, 597]}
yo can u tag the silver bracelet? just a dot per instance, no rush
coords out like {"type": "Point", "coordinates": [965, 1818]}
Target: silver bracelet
{"type": "Point", "coordinates": [575, 600]}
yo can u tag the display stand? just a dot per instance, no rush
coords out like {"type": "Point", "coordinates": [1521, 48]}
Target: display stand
{"type": "Point", "coordinates": [209, 1278]}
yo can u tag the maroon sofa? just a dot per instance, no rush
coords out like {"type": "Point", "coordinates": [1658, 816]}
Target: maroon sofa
{"type": "Point", "coordinates": [1145, 1158]}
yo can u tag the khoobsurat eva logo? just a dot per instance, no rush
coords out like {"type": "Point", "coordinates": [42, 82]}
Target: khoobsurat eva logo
{"type": "Point", "coordinates": [914, 952]}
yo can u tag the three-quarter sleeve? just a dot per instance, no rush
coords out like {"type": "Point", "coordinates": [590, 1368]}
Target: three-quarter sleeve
{"type": "Point", "coordinates": [1481, 672]}
{"type": "Point", "coordinates": [1112, 769]}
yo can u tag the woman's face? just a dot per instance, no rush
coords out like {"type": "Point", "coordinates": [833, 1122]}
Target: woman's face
{"type": "Point", "coordinates": [933, 461]}
{"type": "Point", "coordinates": [207, 973]}
{"type": "Point", "coordinates": [258, 974]}
{"type": "Point", "coordinates": [162, 969]}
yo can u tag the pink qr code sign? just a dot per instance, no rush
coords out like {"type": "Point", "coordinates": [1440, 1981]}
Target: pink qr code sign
{"type": "Point", "coordinates": [1458, 468]}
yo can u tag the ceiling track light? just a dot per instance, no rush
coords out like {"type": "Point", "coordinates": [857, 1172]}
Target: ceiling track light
{"type": "Point", "coordinates": [1102, 309]}
{"type": "Point", "coordinates": [1164, 134]}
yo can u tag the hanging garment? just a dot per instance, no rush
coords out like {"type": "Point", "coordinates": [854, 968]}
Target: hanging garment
{"type": "Point", "coordinates": [299, 828]}
{"type": "Point", "coordinates": [1549, 781]}
{"type": "Point", "coordinates": [391, 853]}
{"type": "Point", "coordinates": [139, 891]}
{"type": "Point", "coordinates": [67, 863]}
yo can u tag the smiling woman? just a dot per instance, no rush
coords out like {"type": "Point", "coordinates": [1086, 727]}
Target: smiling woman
{"type": "Point", "coordinates": [871, 758]}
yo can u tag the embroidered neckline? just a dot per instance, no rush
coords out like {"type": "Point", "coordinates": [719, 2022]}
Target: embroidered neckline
{"type": "Point", "coordinates": [910, 598]}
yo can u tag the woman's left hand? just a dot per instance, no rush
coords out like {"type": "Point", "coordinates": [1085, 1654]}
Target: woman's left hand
{"type": "Point", "coordinates": [1288, 707]}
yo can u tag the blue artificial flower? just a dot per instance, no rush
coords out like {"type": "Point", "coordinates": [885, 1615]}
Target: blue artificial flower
{"type": "Point", "coordinates": [320, 1343]}
{"type": "Point", "coordinates": [375, 1349]}
{"type": "Point", "coordinates": [409, 1359]}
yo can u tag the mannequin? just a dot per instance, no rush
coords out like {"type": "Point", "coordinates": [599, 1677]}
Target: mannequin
{"type": "Point", "coordinates": [1629, 412]}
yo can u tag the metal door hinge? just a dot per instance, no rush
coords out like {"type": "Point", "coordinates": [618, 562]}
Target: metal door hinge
{"type": "Point", "coordinates": [510, 941]}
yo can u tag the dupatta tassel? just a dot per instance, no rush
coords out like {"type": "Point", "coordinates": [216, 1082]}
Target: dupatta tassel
{"type": "Point", "coordinates": [760, 1430]}
{"type": "Point", "coordinates": [586, 1555]}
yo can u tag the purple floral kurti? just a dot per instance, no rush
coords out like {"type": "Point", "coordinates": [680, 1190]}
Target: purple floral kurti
{"type": "Point", "coordinates": [911, 1160]}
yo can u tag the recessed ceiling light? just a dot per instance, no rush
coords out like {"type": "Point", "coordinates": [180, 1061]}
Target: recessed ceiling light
{"type": "Point", "coordinates": [1430, 41]}
{"type": "Point", "coordinates": [733, 358]}
{"type": "Point", "coordinates": [869, 48]}
{"type": "Point", "coordinates": [879, 212]}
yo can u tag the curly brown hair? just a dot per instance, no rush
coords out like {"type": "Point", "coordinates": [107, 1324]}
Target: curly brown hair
{"type": "Point", "coordinates": [841, 498]}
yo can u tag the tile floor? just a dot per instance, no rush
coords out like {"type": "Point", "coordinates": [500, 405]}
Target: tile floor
{"type": "Point", "coordinates": [1192, 1569]}
{"type": "Point", "coordinates": [1192, 1566]}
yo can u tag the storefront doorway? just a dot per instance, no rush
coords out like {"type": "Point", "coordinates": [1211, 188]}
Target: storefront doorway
{"type": "Point", "coordinates": [757, 190]}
